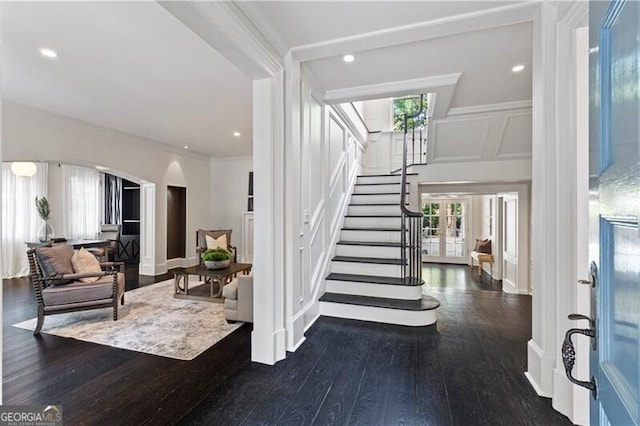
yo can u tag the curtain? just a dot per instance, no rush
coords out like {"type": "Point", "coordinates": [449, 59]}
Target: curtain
{"type": "Point", "coordinates": [112, 199]}
{"type": "Point", "coordinates": [83, 202]}
{"type": "Point", "coordinates": [20, 220]}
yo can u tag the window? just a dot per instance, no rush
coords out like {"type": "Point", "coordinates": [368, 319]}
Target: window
{"type": "Point", "coordinates": [408, 105]}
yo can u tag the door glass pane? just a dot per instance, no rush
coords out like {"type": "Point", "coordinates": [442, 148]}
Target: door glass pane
{"type": "Point", "coordinates": [455, 229]}
{"type": "Point", "coordinates": [623, 307]}
{"type": "Point", "coordinates": [431, 229]}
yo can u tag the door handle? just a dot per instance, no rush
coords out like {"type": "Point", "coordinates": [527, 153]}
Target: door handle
{"type": "Point", "coordinates": [569, 358]}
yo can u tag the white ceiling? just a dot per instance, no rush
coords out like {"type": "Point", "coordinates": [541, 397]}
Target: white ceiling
{"type": "Point", "coordinates": [484, 58]}
{"type": "Point", "coordinates": [130, 66]}
{"type": "Point", "coordinates": [308, 22]}
{"type": "Point", "coordinates": [134, 67]}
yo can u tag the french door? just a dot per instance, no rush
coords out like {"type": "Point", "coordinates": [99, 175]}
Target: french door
{"type": "Point", "coordinates": [614, 195]}
{"type": "Point", "coordinates": [444, 228]}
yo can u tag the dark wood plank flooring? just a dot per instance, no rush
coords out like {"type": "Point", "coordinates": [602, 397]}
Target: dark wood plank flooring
{"type": "Point", "coordinates": [467, 370]}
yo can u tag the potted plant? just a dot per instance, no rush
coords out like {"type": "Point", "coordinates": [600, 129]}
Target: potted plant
{"type": "Point", "coordinates": [44, 211]}
{"type": "Point", "coordinates": [218, 258]}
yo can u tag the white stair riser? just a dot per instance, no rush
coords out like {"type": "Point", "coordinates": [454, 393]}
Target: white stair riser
{"type": "Point", "coordinates": [368, 251]}
{"type": "Point", "coordinates": [384, 315]}
{"type": "Point", "coordinates": [377, 236]}
{"type": "Point", "coordinates": [371, 222]}
{"type": "Point", "coordinates": [391, 209]}
{"type": "Point", "coordinates": [374, 290]}
{"type": "Point", "coordinates": [379, 179]}
{"type": "Point", "coordinates": [368, 189]}
{"type": "Point", "coordinates": [375, 198]}
{"type": "Point", "coordinates": [359, 268]}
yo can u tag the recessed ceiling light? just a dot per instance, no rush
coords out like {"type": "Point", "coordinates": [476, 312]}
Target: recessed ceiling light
{"type": "Point", "coordinates": [348, 58]}
{"type": "Point", "coordinates": [236, 134]}
{"type": "Point", "coordinates": [186, 147]}
{"type": "Point", "coordinates": [48, 53]}
{"type": "Point", "coordinates": [517, 68]}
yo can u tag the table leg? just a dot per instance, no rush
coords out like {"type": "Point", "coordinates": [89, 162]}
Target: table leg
{"type": "Point", "coordinates": [185, 288]}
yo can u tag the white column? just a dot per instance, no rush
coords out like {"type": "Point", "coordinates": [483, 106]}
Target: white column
{"type": "Point", "coordinates": [543, 345]}
{"type": "Point", "coordinates": [268, 337]}
{"type": "Point", "coordinates": [147, 229]}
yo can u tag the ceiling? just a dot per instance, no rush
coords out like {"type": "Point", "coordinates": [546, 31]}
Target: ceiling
{"type": "Point", "coordinates": [134, 67]}
{"type": "Point", "coordinates": [484, 57]}
{"type": "Point", "coordinates": [130, 66]}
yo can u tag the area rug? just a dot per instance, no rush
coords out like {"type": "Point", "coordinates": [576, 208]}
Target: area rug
{"type": "Point", "coordinates": [151, 321]}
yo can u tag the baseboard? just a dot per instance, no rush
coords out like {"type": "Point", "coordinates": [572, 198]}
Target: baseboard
{"type": "Point", "coordinates": [540, 370]}
{"type": "Point", "coordinates": [562, 400]}
{"type": "Point", "coordinates": [178, 262]}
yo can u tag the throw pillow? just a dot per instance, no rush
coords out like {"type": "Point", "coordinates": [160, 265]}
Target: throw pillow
{"type": "Point", "coordinates": [214, 243]}
{"type": "Point", "coordinates": [83, 261]}
{"type": "Point", "coordinates": [485, 247]}
{"type": "Point", "coordinates": [475, 245]}
{"type": "Point", "coordinates": [55, 260]}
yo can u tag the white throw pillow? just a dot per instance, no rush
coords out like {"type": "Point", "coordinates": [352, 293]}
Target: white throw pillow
{"type": "Point", "coordinates": [83, 261]}
{"type": "Point", "coordinates": [214, 243]}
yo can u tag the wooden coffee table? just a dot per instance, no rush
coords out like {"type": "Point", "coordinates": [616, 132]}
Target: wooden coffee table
{"type": "Point", "coordinates": [217, 277]}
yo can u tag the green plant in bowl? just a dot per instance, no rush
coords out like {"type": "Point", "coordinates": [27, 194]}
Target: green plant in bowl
{"type": "Point", "coordinates": [217, 258]}
{"type": "Point", "coordinates": [216, 255]}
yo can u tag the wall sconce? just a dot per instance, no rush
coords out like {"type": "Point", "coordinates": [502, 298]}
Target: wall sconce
{"type": "Point", "coordinates": [21, 168]}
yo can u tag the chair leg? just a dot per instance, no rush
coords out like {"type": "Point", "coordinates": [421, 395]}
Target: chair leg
{"type": "Point", "coordinates": [115, 310]}
{"type": "Point", "coordinates": [40, 321]}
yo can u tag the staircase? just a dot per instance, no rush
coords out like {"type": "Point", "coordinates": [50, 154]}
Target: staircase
{"type": "Point", "coordinates": [367, 273]}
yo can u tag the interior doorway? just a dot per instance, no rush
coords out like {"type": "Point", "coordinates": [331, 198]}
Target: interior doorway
{"type": "Point", "coordinates": [176, 222]}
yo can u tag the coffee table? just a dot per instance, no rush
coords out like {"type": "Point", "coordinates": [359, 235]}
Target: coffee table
{"type": "Point", "coordinates": [215, 276]}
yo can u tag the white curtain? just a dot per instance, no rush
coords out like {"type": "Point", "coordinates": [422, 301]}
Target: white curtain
{"type": "Point", "coordinates": [83, 202]}
{"type": "Point", "coordinates": [20, 220]}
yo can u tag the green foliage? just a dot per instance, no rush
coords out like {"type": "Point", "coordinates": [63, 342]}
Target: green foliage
{"type": "Point", "coordinates": [42, 206]}
{"type": "Point", "coordinates": [216, 255]}
{"type": "Point", "coordinates": [410, 105]}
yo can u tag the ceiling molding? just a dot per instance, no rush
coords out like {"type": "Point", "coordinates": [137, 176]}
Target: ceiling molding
{"type": "Point", "coordinates": [257, 18]}
{"type": "Point", "coordinates": [463, 23]}
{"type": "Point", "coordinates": [392, 88]}
{"type": "Point", "coordinates": [226, 28]}
{"type": "Point", "coordinates": [225, 159]}
{"type": "Point", "coordinates": [478, 109]}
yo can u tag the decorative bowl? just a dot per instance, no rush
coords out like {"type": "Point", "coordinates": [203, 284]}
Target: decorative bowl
{"type": "Point", "coordinates": [217, 264]}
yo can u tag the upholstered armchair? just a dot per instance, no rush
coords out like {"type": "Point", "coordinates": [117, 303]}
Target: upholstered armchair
{"type": "Point", "coordinates": [238, 299]}
{"type": "Point", "coordinates": [59, 289]}
{"type": "Point", "coordinates": [211, 239]}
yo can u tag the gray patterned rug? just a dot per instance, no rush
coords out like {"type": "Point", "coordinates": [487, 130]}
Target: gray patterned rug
{"type": "Point", "coordinates": [151, 321]}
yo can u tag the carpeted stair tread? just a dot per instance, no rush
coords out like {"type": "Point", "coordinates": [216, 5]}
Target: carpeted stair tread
{"type": "Point", "coordinates": [377, 260]}
{"type": "Point", "coordinates": [374, 279]}
{"type": "Point", "coordinates": [427, 303]}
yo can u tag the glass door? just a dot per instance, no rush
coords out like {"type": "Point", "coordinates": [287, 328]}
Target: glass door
{"type": "Point", "coordinates": [444, 230]}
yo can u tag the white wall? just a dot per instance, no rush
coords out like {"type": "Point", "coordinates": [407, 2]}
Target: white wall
{"type": "Point", "coordinates": [229, 191]}
{"type": "Point", "coordinates": [487, 136]}
{"type": "Point", "coordinates": [329, 148]}
{"type": "Point", "coordinates": [32, 134]}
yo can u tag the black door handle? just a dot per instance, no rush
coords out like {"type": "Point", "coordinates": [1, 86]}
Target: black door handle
{"type": "Point", "coordinates": [569, 358]}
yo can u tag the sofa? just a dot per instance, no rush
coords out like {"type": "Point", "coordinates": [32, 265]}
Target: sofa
{"type": "Point", "coordinates": [238, 299]}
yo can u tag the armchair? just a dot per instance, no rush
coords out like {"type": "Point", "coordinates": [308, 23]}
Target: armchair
{"type": "Point", "coordinates": [214, 237]}
{"type": "Point", "coordinates": [112, 233]}
{"type": "Point", "coordinates": [65, 292]}
{"type": "Point", "coordinates": [238, 299]}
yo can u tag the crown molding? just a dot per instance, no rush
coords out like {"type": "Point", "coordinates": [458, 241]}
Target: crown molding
{"type": "Point", "coordinates": [463, 23]}
{"type": "Point", "coordinates": [502, 106]}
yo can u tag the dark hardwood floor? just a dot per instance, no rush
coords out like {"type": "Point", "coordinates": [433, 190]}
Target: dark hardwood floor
{"type": "Point", "coordinates": [467, 370]}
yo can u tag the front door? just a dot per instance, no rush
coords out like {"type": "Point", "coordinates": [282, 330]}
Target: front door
{"type": "Point", "coordinates": [614, 210]}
